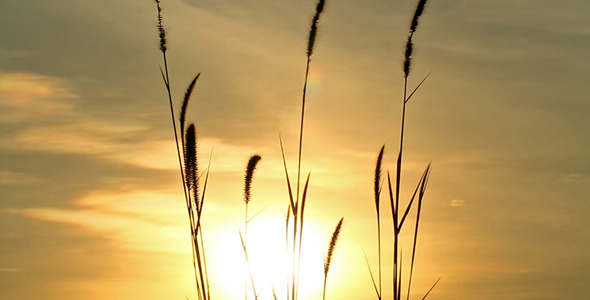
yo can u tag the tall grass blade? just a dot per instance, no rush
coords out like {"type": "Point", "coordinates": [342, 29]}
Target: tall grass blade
{"type": "Point", "coordinates": [301, 214]}
{"type": "Point", "coordinates": [391, 199]}
{"type": "Point", "coordinates": [424, 181]}
{"type": "Point", "coordinates": [394, 211]}
{"type": "Point", "coordinates": [198, 226]}
{"type": "Point", "coordinates": [200, 208]}
{"type": "Point", "coordinates": [303, 201]}
{"type": "Point", "coordinates": [417, 87]}
{"type": "Point", "coordinates": [187, 97]}
{"type": "Point", "coordinates": [164, 77]}
{"type": "Point", "coordinates": [257, 213]}
{"type": "Point", "coordinates": [372, 277]}
{"type": "Point", "coordinates": [416, 192]}
{"type": "Point", "coordinates": [291, 200]}
{"type": "Point", "coordinates": [431, 288]}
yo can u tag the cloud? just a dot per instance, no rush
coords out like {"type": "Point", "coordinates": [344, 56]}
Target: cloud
{"type": "Point", "coordinates": [10, 270]}
{"type": "Point", "coordinates": [50, 120]}
{"type": "Point", "coordinates": [13, 178]}
{"type": "Point", "coordinates": [128, 144]}
{"type": "Point", "coordinates": [82, 137]}
{"type": "Point", "coordinates": [134, 219]}
{"type": "Point", "coordinates": [576, 178]}
{"type": "Point", "coordinates": [27, 96]}
{"type": "Point", "coordinates": [457, 203]}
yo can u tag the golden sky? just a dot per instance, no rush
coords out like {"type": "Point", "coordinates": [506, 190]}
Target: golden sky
{"type": "Point", "coordinates": [91, 201]}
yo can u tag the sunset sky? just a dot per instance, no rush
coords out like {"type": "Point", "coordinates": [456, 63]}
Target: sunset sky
{"type": "Point", "coordinates": [91, 202]}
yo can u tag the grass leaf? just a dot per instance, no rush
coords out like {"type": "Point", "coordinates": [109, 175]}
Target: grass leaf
{"type": "Point", "coordinates": [187, 96]}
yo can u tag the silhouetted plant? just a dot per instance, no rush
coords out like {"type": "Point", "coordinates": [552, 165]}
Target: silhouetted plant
{"type": "Point", "coordinates": [250, 167]}
{"type": "Point", "coordinates": [186, 139]}
{"type": "Point", "coordinates": [394, 189]}
{"type": "Point", "coordinates": [187, 152]}
{"type": "Point", "coordinates": [331, 248]}
{"type": "Point", "coordinates": [297, 203]}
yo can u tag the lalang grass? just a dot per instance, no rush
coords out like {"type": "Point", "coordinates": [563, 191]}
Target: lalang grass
{"type": "Point", "coordinates": [195, 178]}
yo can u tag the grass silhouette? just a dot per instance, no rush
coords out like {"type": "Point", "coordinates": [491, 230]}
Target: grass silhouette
{"type": "Point", "coordinates": [394, 188]}
{"type": "Point", "coordinates": [194, 189]}
{"type": "Point", "coordinates": [250, 167]}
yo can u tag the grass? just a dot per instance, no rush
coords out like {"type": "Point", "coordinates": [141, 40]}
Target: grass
{"type": "Point", "coordinates": [331, 248]}
{"type": "Point", "coordinates": [394, 188]}
{"type": "Point", "coordinates": [250, 167]}
{"type": "Point", "coordinates": [194, 187]}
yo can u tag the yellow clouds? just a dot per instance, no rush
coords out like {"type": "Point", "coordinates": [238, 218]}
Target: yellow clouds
{"type": "Point", "coordinates": [11, 178]}
{"type": "Point", "coordinates": [100, 139]}
{"type": "Point", "coordinates": [53, 122]}
{"type": "Point", "coordinates": [28, 95]}
{"type": "Point", "coordinates": [139, 220]}
{"type": "Point", "coordinates": [457, 203]}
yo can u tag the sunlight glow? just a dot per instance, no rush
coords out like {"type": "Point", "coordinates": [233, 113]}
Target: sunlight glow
{"type": "Point", "coordinates": [268, 258]}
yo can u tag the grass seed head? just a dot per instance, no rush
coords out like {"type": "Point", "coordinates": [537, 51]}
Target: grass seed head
{"type": "Point", "coordinates": [314, 27]}
{"type": "Point", "coordinates": [161, 31]}
{"type": "Point", "coordinates": [252, 162]}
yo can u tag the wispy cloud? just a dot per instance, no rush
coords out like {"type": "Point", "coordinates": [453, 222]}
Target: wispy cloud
{"type": "Point", "coordinates": [134, 220]}
{"type": "Point", "coordinates": [13, 178]}
{"type": "Point", "coordinates": [10, 270]}
{"type": "Point", "coordinates": [457, 203]}
{"type": "Point", "coordinates": [576, 178]}
{"type": "Point", "coordinates": [27, 96]}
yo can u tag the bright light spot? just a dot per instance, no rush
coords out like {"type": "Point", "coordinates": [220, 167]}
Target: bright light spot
{"type": "Point", "coordinates": [270, 264]}
{"type": "Point", "coordinates": [457, 203]}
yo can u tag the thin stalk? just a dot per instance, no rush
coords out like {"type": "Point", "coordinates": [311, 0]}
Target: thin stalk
{"type": "Point", "coordinates": [246, 245]}
{"type": "Point", "coordinates": [296, 261]}
{"type": "Point", "coordinates": [294, 253]}
{"type": "Point", "coordinates": [302, 213]}
{"type": "Point", "coordinates": [198, 232]}
{"type": "Point", "coordinates": [419, 209]}
{"type": "Point", "coordinates": [291, 200]}
{"type": "Point", "coordinates": [301, 126]}
{"type": "Point", "coordinates": [394, 209]}
{"type": "Point", "coordinates": [396, 287]}
{"type": "Point", "coordinates": [249, 267]}
{"type": "Point", "coordinates": [372, 277]}
{"type": "Point", "coordinates": [287, 247]}
{"type": "Point", "coordinates": [431, 288]}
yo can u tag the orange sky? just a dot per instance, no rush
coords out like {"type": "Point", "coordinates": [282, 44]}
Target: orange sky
{"type": "Point", "coordinates": [91, 203]}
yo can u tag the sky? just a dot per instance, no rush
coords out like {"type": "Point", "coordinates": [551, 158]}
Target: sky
{"type": "Point", "coordinates": [91, 199]}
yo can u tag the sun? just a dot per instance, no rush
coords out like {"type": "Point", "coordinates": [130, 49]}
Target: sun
{"type": "Point", "coordinates": [270, 261]}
